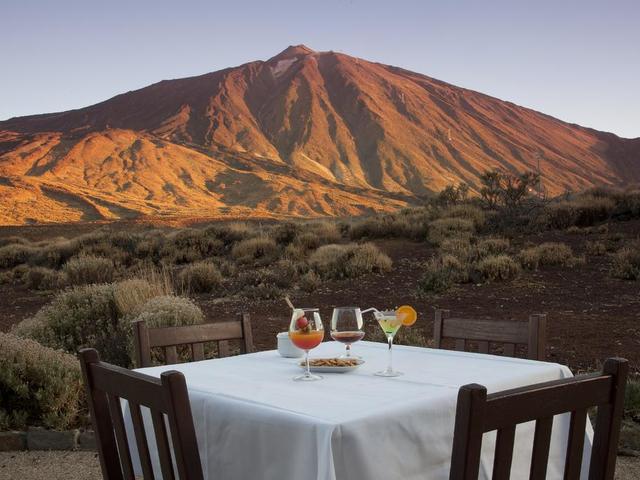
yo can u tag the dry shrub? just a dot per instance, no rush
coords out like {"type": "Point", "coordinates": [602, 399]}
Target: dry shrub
{"type": "Point", "coordinates": [200, 277]}
{"type": "Point", "coordinates": [285, 232]}
{"type": "Point", "coordinates": [229, 233]}
{"type": "Point", "coordinates": [39, 385]}
{"type": "Point", "coordinates": [257, 250]}
{"type": "Point", "coordinates": [87, 269]}
{"type": "Point", "coordinates": [498, 267]}
{"type": "Point", "coordinates": [389, 226]}
{"type": "Point", "coordinates": [170, 311]}
{"type": "Point", "coordinates": [549, 253]}
{"type": "Point", "coordinates": [489, 246]}
{"type": "Point", "coordinates": [15, 254]}
{"type": "Point", "coordinates": [310, 281]}
{"type": "Point", "coordinates": [42, 278]}
{"type": "Point", "coordinates": [582, 211]}
{"type": "Point", "coordinates": [132, 294]}
{"type": "Point", "coordinates": [13, 240]}
{"type": "Point", "coordinates": [466, 211]}
{"type": "Point", "coordinates": [441, 273]}
{"type": "Point", "coordinates": [458, 247]}
{"type": "Point", "coordinates": [348, 261]}
{"type": "Point", "coordinates": [596, 248]}
{"type": "Point", "coordinates": [626, 262]}
{"type": "Point", "coordinates": [57, 253]}
{"type": "Point", "coordinates": [85, 316]}
{"type": "Point", "coordinates": [445, 228]}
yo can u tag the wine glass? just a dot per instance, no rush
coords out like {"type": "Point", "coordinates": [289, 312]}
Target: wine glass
{"type": "Point", "coordinates": [390, 323]}
{"type": "Point", "coordinates": [347, 327]}
{"type": "Point", "coordinates": [306, 332]}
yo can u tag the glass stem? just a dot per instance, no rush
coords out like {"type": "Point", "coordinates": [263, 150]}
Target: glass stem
{"type": "Point", "coordinates": [306, 358]}
{"type": "Point", "coordinates": [390, 340]}
{"type": "Point", "coordinates": [348, 350]}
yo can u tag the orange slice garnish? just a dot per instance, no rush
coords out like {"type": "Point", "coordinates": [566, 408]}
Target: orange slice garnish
{"type": "Point", "coordinates": [407, 315]}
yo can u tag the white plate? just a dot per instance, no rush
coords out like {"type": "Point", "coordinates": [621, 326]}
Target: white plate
{"type": "Point", "coordinates": [328, 369]}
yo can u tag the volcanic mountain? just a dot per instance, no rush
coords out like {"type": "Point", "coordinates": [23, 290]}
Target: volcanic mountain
{"type": "Point", "coordinates": [304, 133]}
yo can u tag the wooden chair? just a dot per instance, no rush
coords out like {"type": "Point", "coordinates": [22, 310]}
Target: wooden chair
{"type": "Point", "coordinates": [166, 398]}
{"type": "Point", "coordinates": [195, 336]}
{"type": "Point", "coordinates": [484, 332]}
{"type": "Point", "coordinates": [478, 413]}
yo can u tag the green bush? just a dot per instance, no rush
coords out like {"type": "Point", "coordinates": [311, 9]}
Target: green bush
{"type": "Point", "coordinates": [88, 269]}
{"type": "Point", "coordinates": [626, 262]}
{"type": "Point", "coordinates": [42, 278]}
{"type": "Point", "coordinates": [170, 311]}
{"type": "Point", "coordinates": [257, 250]}
{"type": "Point", "coordinates": [445, 228]}
{"type": "Point", "coordinates": [85, 316]}
{"type": "Point", "coordinates": [38, 385]}
{"type": "Point", "coordinates": [15, 254]}
{"type": "Point", "coordinates": [498, 267]}
{"type": "Point", "coordinates": [348, 261]}
{"type": "Point", "coordinates": [200, 277]}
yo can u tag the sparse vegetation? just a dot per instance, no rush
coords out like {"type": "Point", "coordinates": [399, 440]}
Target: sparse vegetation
{"type": "Point", "coordinates": [170, 311]}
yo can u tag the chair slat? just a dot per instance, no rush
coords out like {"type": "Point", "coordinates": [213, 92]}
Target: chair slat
{"type": "Point", "coordinates": [206, 332]}
{"type": "Point", "coordinates": [197, 350]}
{"type": "Point", "coordinates": [223, 348]}
{"type": "Point", "coordinates": [541, 443]}
{"type": "Point", "coordinates": [171, 355]}
{"type": "Point", "coordinates": [141, 441]}
{"type": "Point", "coordinates": [460, 344]}
{"type": "Point", "coordinates": [575, 444]}
{"type": "Point", "coordinates": [162, 442]}
{"type": "Point", "coordinates": [247, 333]}
{"type": "Point", "coordinates": [504, 453]}
{"type": "Point", "coordinates": [483, 346]}
{"type": "Point", "coordinates": [510, 349]}
{"type": "Point", "coordinates": [115, 410]}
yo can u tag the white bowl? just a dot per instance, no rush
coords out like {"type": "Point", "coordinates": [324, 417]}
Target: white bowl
{"type": "Point", "coordinates": [286, 348]}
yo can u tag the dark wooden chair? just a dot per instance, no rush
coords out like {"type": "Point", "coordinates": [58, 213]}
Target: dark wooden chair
{"type": "Point", "coordinates": [532, 334]}
{"type": "Point", "coordinates": [166, 398]}
{"type": "Point", "coordinates": [195, 336]}
{"type": "Point", "coordinates": [478, 413]}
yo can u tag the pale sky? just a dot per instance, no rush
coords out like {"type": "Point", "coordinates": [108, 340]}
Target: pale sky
{"type": "Point", "coordinates": [578, 60]}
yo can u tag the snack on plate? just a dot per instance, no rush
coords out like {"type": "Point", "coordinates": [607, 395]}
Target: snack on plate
{"type": "Point", "coordinates": [334, 362]}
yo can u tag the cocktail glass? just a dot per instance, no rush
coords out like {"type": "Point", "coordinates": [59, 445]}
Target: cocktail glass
{"type": "Point", "coordinates": [347, 327]}
{"type": "Point", "coordinates": [306, 332]}
{"type": "Point", "coordinates": [390, 324]}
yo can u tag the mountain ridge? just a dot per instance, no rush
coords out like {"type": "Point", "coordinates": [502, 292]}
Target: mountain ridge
{"type": "Point", "coordinates": [302, 133]}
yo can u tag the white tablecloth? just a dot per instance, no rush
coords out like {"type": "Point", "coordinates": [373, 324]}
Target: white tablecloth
{"type": "Point", "coordinates": [253, 422]}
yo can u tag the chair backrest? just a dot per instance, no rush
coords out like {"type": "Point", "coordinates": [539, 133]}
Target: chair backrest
{"type": "Point", "coordinates": [478, 413]}
{"type": "Point", "coordinates": [532, 334]}
{"type": "Point", "coordinates": [167, 400]}
{"type": "Point", "coordinates": [195, 336]}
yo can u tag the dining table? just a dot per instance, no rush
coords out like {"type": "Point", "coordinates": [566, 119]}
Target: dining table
{"type": "Point", "coordinates": [253, 421]}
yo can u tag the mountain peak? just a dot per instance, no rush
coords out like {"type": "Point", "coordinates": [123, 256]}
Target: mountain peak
{"type": "Point", "coordinates": [293, 51]}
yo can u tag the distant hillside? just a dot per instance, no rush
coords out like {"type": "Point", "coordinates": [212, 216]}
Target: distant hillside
{"type": "Point", "coordinates": [304, 133]}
